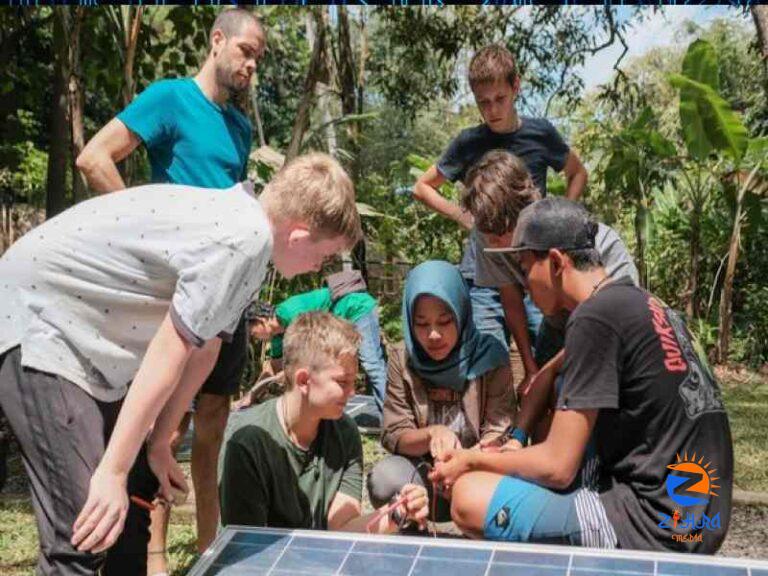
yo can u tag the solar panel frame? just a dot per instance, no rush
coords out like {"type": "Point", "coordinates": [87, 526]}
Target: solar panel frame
{"type": "Point", "coordinates": [569, 561]}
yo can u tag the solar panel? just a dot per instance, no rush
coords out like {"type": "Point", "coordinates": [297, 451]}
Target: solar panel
{"type": "Point", "coordinates": [363, 410]}
{"type": "Point", "coordinates": [273, 552]}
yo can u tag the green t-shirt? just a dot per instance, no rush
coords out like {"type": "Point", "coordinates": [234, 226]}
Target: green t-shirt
{"type": "Point", "coordinates": [350, 307]}
{"type": "Point", "coordinates": [266, 480]}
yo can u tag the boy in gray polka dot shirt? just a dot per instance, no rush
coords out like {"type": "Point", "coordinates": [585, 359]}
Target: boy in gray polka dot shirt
{"type": "Point", "coordinates": [139, 287]}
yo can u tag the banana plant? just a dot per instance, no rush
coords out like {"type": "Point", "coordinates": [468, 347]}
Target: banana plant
{"type": "Point", "coordinates": [640, 163]}
{"type": "Point", "coordinates": [712, 133]}
{"type": "Point", "coordinates": [751, 180]}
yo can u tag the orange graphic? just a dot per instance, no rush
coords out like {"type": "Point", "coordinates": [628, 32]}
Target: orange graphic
{"type": "Point", "coordinates": [704, 486]}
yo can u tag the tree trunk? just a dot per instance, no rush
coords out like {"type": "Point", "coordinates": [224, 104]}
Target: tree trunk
{"type": "Point", "coordinates": [347, 74]}
{"type": "Point", "coordinates": [361, 63]}
{"type": "Point", "coordinates": [640, 220]}
{"type": "Point", "coordinates": [257, 118]}
{"type": "Point", "coordinates": [760, 16]}
{"type": "Point", "coordinates": [56, 178]}
{"type": "Point", "coordinates": [315, 74]}
{"type": "Point", "coordinates": [75, 104]}
{"type": "Point", "coordinates": [692, 307]}
{"type": "Point", "coordinates": [131, 18]}
{"type": "Point", "coordinates": [323, 89]}
{"type": "Point", "coordinates": [726, 296]}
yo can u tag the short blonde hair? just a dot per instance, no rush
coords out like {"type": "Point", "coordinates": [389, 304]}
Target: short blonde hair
{"type": "Point", "coordinates": [314, 340]}
{"type": "Point", "coordinates": [490, 64]}
{"type": "Point", "coordinates": [315, 189]}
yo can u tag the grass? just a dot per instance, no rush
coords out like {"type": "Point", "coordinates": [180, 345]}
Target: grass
{"type": "Point", "coordinates": [746, 399]}
{"type": "Point", "coordinates": [747, 404]}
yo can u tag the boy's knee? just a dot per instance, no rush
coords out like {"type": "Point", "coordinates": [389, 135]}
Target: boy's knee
{"type": "Point", "coordinates": [388, 477]}
{"type": "Point", "coordinates": [465, 506]}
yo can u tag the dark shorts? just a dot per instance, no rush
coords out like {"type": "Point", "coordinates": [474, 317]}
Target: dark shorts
{"type": "Point", "coordinates": [226, 375]}
{"type": "Point", "coordinates": [62, 432]}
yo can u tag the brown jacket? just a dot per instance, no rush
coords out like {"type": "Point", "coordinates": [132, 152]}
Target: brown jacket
{"type": "Point", "coordinates": [487, 401]}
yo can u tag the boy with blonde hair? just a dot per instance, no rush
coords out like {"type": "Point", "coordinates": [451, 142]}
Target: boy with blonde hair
{"type": "Point", "coordinates": [297, 461]}
{"type": "Point", "coordinates": [495, 83]}
{"type": "Point", "coordinates": [139, 287]}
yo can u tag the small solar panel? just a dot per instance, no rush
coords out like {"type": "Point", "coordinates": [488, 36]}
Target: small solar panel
{"type": "Point", "coordinates": [363, 410]}
{"type": "Point", "coordinates": [267, 551]}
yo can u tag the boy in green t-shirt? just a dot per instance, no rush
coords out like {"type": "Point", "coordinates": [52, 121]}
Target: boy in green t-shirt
{"type": "Point", "coordinates": [297, 461]}
{"type": "Point", "coordinates": [346, 297]}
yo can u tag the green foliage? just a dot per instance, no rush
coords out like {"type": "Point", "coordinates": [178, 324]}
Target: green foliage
{"type": "Point", "coordinates": [662, 141]}
{"type": "Point", "coordinates": [24, 165]}
{"type": "Point", "coordinates": [707, 120]}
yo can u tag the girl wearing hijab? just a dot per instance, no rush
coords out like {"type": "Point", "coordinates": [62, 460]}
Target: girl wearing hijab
{"type": "Point", "coordinates": [448, 385]}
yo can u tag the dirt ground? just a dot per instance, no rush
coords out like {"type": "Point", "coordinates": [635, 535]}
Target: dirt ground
{"type": "Point", "coordinates": [748, 533]}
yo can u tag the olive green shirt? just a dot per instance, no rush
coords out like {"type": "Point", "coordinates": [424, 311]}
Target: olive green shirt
{"type": "Point", "coordinates": [266, 480]}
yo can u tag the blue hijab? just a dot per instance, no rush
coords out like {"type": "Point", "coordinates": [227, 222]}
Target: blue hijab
{"type": "Point", "coordinates": [474, 353]}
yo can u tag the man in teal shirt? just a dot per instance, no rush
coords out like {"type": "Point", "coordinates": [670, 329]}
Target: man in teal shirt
{"type": "Point", "coordinates": [195, 136]}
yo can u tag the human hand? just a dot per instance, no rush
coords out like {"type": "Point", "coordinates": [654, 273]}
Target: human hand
{"type": "Point", "coordinates": [442, 439]}
{"type": "Point", "coordinates": [102, 518]}
{"type": "Point", "coordinates": [244, 402]}
{"type": "Point", "coordinates": [416, 505]}
{"type": "Point", "coordinates": [173, 486]}
{"type": "Point", "coordinates": [511, 445]}
{"type": "Point", "coordinates": [454, 464]}
{"type": "Point", "coordinates": [525, 385]}
{"type": "Point", "coordinates": [261, 328]}
{"type": "Point", "coordinates": [465, 219]}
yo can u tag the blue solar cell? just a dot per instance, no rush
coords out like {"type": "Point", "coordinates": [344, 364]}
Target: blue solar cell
{"type": "Point", "coordinates": [444, 566]}
{"type": "Point", "coordinates": [608, 565]}
{"type": "Point", "coordinates": [525, 570]}
{"type": "Point", "coordinates": [243, 555]}
{"type": "Point", "coordinates": [456, 553]}
{"type": "Point", "coordinates": [321, 543]}
{"type": "Point", "coordinates": [385, 548]}
{"type": "Point", "coordinates": [683, 569]}
{"type": "Point", "coordinates": [755, 572]}
{"type": "Point", "coordinates": [310, 560]}
{"type": "Point", "coordinates": [531, 559]}
{"type": "Point", "coordinates": [385, 565]}
{"type": "Point", "coordinates": [260, 538]}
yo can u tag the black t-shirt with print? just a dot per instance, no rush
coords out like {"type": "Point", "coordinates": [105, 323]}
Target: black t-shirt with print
{"type": "Point", "coordinates": [631, 357]}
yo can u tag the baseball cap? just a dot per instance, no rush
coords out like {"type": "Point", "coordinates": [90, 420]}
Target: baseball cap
{"type": "Point", "coordinates": [552, 222]}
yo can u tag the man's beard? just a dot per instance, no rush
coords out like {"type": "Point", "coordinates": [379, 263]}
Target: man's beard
{"type": "Point", "coordinates": [225, 81]}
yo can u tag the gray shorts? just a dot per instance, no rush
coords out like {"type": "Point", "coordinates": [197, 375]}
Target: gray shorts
{"type": "Point", "coordinates": [63, 432]}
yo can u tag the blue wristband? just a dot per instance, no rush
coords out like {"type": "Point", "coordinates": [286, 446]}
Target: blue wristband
{"type": "Point", "coordinates": [519, 435]}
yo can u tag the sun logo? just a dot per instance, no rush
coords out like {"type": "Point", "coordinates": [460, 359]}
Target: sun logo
{"type": "Point", "coordinates": [691, 482]}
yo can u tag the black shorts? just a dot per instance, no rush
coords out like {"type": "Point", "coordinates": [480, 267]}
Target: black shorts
{"type": "Point", "coordinates": [226, 375]}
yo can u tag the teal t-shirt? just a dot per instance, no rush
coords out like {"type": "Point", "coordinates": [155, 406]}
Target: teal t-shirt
{"type": "Point", "coordinates": [350, 307]}
{"type": "Point", "coordinates": [190, 139]}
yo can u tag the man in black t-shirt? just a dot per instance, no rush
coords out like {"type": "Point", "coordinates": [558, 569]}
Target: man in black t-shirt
{"type": "Point", "coordinates": [632, 375]}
